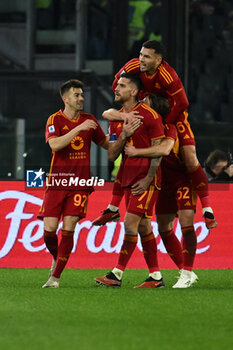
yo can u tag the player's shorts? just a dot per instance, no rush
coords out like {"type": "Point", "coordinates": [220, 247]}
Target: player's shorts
{"type": "Point", "coordinates": [171, 200]}
{"type": "Point", "coordinates": [60, 203]}
{"type": "Point", "coordinates": [185, 134]}
{"type": "Point", "coordinates": [143, 204]}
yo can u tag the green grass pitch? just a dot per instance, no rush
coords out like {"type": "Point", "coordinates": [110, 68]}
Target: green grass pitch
{"type": "Point", "coordinates": [82, 315]}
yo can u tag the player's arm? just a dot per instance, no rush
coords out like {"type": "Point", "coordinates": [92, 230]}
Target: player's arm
{"type": "Point", "coordinates": [163, 149]}
{"type": "Point", "coordinates": [140, 186]}
{"type": "Point", "coordinates": [105, 143]}
{"type": "Point", "coordinates": [180, 101]}
{"type": "Point", "coordinates": [115, 115]}
{"type": "Point", "coordinates": [60, 142]}
{"type": "Point", "coordinates": [115, 148]}
{"type": "Point", "coordinates": [158, 150]}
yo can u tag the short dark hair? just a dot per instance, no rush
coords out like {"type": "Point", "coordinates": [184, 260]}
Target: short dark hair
{"type": "Point", "coordinates": [155, 45]}
{"type": "Point", "coordinates": [134, 78]}
{"type": "Point", "coordinates": [160, 104]}
{"type": "Point", "coordinates": [73, 83]}
{"type": "Point", "coordinates": [215, 157]}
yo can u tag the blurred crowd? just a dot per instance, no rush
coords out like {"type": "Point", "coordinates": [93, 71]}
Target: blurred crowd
{"type": "Point", "coordinates": [219, 166]}
{"type": "Point", "coordinates": [211, 58]}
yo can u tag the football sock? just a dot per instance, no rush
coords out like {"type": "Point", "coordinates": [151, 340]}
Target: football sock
{"type": "Point", "coordinates": [117, 194]}
{"type": "Point", "coordinates": [127, 248]}
{"type": "Point", "coordinates": [156, 275]}
{"type": "Point", "coordinates": [173, 247]}
{"type": "Point", "coordinates": [64, 250]}
{"type": "Point", "coordinates": [118, 273]}
{"type": "Point", "coordinates": [51, 242]}
{"type": "Point", "coordinates": [189, 241]}
{"type": "Point", "coordinates": [149, 246]}
{"type": "Point", "coordinates": [200, 184]}
{"type": "Point", "coordinates": [207, 209]}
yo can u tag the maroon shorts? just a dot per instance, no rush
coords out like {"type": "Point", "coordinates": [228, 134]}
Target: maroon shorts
{"type": "Point", "coordinates": [143, 204]}
{"type": "Point", "coordinates": [185, 134]}
{"type": "Point", "coordinates": [171, 200]}
{"type": "Point", "coordinates": [62, 203]}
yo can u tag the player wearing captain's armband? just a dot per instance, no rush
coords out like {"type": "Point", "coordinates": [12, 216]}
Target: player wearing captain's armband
{"type": "Point", "coordinates": [69, 133]}
{"type": "Point", "coordinates": [140, 180]}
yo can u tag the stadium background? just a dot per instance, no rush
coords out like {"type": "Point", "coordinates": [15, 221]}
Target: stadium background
{"type": "Point", "coordinates": [43, 43]}
{"type": "Point", "coordinates": [46, 42]}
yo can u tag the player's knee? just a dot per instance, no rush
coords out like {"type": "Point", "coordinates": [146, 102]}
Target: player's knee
{"type": "Point", "coordinates": [144, 229]}
{"type": "Point", "coordinates": [164, 224]}
{"type": "Point", "coordinates": [69, 222]}
{"type": "Point", "coordinates": [164, 228]}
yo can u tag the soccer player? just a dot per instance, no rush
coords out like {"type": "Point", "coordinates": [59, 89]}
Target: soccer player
{"type": "Point", "coordinates": [140, 179]}
{"type": "Point", "coordinates": [159, 77]}
{"type": "Point", "coordinates": [176, 198]}
{"type": "Point", "coordinates": [69, 133]}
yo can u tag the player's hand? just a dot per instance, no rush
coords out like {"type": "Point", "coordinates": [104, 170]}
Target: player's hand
{"type": "Point", "coordinates": [128, 117]}
{"type": "Point", "coordinates": [130, 127]}
{"type": "Point", "coordinates": [130, 150]}
{"type": "Point", "coordinates": [140, 186]}
{"type": "Point", "coordinates": [88, 124]}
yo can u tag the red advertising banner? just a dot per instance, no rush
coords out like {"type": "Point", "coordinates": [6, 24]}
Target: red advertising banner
{"type": "Point", "coordinates": [22, 245]}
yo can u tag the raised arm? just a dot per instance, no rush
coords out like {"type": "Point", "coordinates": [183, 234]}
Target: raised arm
{"type": "Point", "coordinates": [115, 115]}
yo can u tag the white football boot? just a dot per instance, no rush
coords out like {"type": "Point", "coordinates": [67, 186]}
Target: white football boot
{"type": "Point", "coordinates": [186, 279]}
{"type": "Point", "coordinates": [52, 282]}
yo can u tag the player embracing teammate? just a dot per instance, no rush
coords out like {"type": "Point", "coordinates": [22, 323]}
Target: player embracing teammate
{"type": "Point", "coordinates": [183, 179]}
{"type": "Point", "coordinates": [159, 77]}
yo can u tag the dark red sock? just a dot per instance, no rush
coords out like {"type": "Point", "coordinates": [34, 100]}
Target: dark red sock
{"type": "Point", "coordinates": [173, 247]}
{"type": "Point", "coordinates": [64, 250]}
{"type": "Point", "coordinates": [189, 242]}
{"type": "Point", "coordinates": [200, 184]}
{"type": "Point", "coordinates": [51, 242]}
{"type": "Point", "coordinates": [127, 248]}
{"type": "Point", "coordinates": [117, 194]}
{"type": "Point", "coordinates": [149, 246]}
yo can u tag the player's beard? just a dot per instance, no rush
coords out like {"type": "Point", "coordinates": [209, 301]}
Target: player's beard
{"type": "Point", "coordinates": [118, 99]}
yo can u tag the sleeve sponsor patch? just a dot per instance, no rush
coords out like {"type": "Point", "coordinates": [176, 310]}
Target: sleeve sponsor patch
{"type": "Point", "coordinates": [51, 128]}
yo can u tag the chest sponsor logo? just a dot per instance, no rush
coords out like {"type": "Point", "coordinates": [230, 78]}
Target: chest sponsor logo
{"type": "Point", "coordinates": [77, 143]}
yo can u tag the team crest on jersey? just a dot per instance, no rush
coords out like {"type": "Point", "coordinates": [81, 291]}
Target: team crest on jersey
{"type": "Point", "coordinates": [77, 143]}
{"type": "Point", "coordinates": [51, 128]}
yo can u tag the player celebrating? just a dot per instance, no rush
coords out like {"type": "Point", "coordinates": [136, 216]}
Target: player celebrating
{"type": "Point", "coordinates": [69, 133]}
{"type": "Point", "coordinates": [140, 181]}
{"type": "Point", "coordinates": [177, 198]}
{"type": "Point", "coordinates": [159, 77]}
